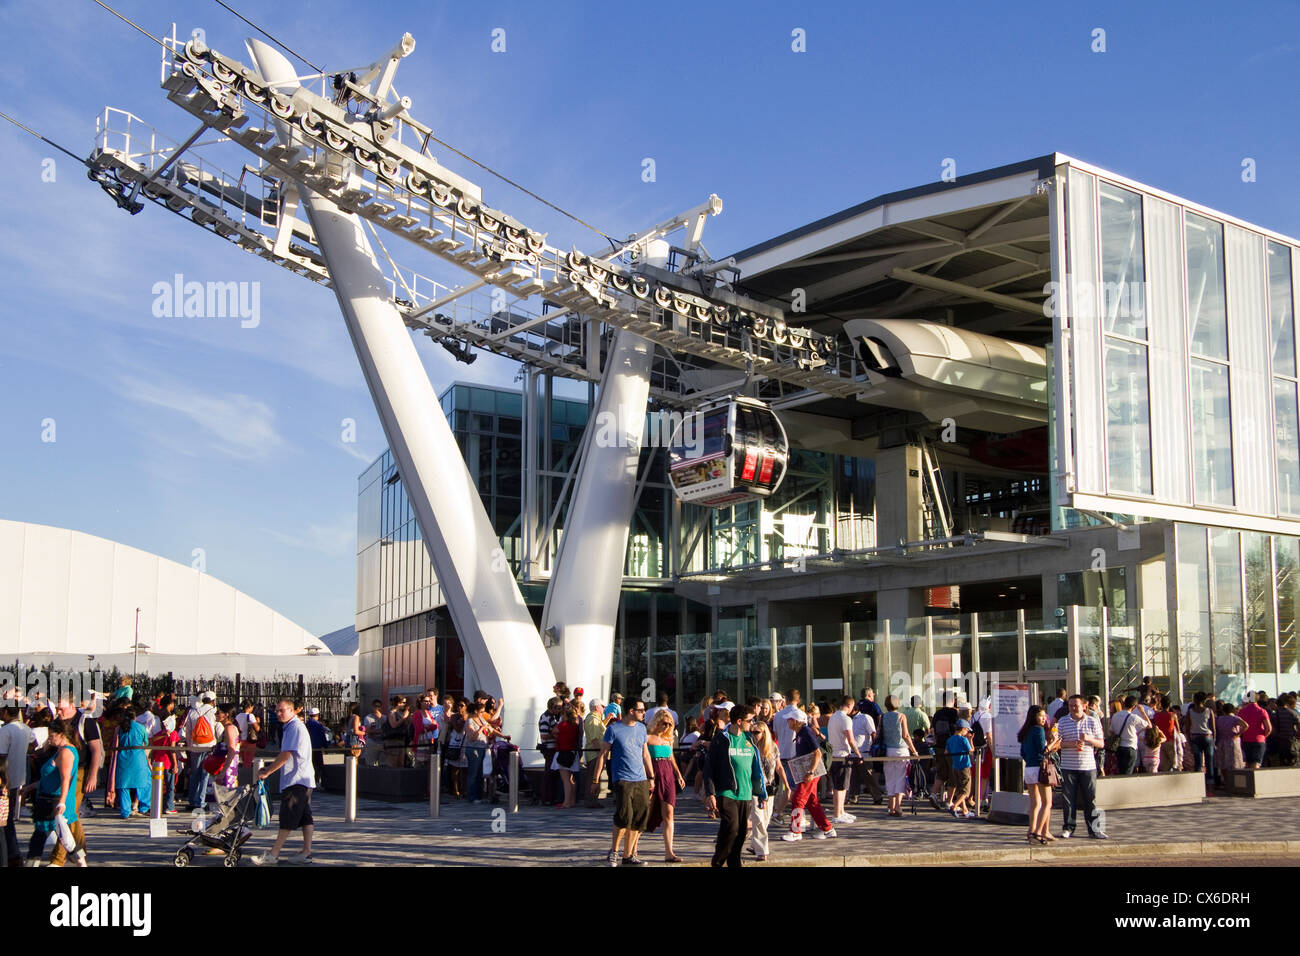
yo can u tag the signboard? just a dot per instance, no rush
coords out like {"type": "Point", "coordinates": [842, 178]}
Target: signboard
{"type": "Point", "coordinates": [1010, 707]}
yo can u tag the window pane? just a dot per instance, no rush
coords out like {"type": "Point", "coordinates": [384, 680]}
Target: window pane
{"type": "Point", "coordinates": [1261, 636]}
{"type": "Point", "coordinates": [1229, 639]}
{"type": "Point", "coordinates": [1280, 308]}
{"type": "Point", "coordinates": [1207, 312]}
{"type": "Point", "coordinates": [1211, 434]}
{"type": "Point", "coordinates": [1123, 296]}
{"type": "Point", "coordinates": [1288, 602]}
{"type": "Point", "coordinates": [1128, 420]}
{"type": "Point", "coordinates": [1193, 608]}
{"type": "Point", "coordinates": [1286, 437]}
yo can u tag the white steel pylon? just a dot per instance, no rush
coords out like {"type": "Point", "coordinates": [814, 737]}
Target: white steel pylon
{"type": "Point", "coordinates": [495, 627]}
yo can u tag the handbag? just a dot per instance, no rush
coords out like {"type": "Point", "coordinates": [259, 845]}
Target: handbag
{"type": "Point", "coordinates": [1048, 775]}
{"type": "Point", "coordinates": [43, 808]}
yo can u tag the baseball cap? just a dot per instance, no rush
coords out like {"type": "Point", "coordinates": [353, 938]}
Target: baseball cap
{"type": "Point", "coordinates": [207, 695]}
{"type": "Point", "coordinates": [963, 725]}
{"type": "Point", "coordinates": [577, 692]}
{"type": "Point", "coordinates": [313, 712]}
{"type": "Point", "coordinates": [775, 696]}
{"type": "Point", "coordinates": [1250, 698]}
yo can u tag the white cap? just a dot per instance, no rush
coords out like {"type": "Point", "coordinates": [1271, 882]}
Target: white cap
{"type": "Point", "coordinates": [207, 695]}
{"type": "Point", "coordinates": [312, 712]}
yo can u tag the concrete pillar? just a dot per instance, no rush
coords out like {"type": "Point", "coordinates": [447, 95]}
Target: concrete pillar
{"type": "Point", "coordinates": [899, 504]}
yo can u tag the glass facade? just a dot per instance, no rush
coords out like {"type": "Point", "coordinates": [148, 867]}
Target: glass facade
{"type": "Point", "coordinates": [1182, 372]}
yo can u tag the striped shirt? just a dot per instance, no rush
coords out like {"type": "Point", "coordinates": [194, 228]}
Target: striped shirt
{"type": "Point", "coordinates": [1071, 729]}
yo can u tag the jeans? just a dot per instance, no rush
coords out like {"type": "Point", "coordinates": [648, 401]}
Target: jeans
{"type": "Point", "coordinates": [733, 816]}
{"type": "Point", "coordinates": [1203, 749]}
{"type": "Point", "coordinates": [1079, 788]}
{"type": "Point", "coordinates": [475, 756]}
{"type": "Point", "coordinates": [198, 780]}
{"type": "Point", "coordinates": [1126, 758]}
{"type": "Point", "coordinates": [169, 790]}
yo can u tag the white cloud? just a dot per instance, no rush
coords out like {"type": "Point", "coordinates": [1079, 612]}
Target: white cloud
{"type": "Point", "coordinates": [338, 537]}
{"type": "Point", "coordinates": [234, 424]}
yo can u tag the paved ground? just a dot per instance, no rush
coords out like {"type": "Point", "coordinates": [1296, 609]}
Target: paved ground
{"type": "Point", "coordinates": [387, 833]}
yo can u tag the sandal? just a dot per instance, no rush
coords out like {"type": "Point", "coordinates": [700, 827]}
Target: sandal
{"type": "Point", "coordinates": [672, 859]}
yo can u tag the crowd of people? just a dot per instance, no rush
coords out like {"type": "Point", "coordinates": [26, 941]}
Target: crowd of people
{"type": "Point", "coordinates": [766, 769]}
{"type": "Point", "coordinates": [55, 757]}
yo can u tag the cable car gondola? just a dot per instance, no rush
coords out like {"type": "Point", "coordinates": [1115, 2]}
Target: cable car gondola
{"type": "Point", "coordinates": [728, 452]}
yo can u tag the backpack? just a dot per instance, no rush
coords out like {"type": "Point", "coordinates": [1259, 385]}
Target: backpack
{"type": "Point", "coordinates": [202, 731]}
{"type": "Point", "coordinates": [214, 761]}
{"type": "Point", "coordinates": [977, 735]}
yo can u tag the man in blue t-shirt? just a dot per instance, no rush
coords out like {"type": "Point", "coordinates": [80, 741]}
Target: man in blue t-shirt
{"type": "Point", "coordinates": [630, 772]}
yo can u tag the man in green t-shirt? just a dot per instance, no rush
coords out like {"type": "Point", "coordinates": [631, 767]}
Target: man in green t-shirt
{"type": "Point", "coordinates": [733, 780]}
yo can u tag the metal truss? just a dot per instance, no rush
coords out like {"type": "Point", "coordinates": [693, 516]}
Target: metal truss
{"type": "Point", "coordinates": [529, 300]}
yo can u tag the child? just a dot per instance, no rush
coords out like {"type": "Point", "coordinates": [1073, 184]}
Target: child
{"type": "Point", "coordinates": [1151, 755]}
{"type": "Point", "coordinates": [960, 748]}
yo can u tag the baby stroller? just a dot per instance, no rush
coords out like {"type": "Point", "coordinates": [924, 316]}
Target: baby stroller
{"type": "Point", "coordinates": [500, 776]}
{"type": "Point", "coordinates": [918, 782]}
{"type": "Point", "coordinates": [235, 826]}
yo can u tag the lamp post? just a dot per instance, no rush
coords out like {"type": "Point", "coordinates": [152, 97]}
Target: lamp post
{"type": "Point", "coordinates": [135, 657]}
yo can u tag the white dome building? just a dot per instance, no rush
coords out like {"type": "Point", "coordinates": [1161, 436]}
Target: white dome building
{"type": "Point", "coordinates": [66, 596]}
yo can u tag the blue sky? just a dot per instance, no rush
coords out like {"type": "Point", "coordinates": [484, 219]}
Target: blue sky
{"type": "Point", "coordinates": [174, 434]}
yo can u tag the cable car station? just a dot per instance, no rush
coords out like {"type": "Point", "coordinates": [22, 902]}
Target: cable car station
{"type": "Point", "coordinates": [1038, 421]}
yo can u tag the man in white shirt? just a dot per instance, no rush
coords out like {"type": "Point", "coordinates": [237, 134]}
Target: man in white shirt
{"type": "Point", "coordinates": [296, 784]}
{"type": "Point", "coordinates": [15, 740]}
{"type": "Point", "coordinates": [864, 736]}
{"type": "Point", "coordinates": [199, 736]}
{"type": "Point", "coordinates": [1081, 735]}
{"type": "Point", "coordinates": [1128, 724]}
{"type": "Point", "coordinates": [845, 755]}
{"type": "Point", "coordinates": [786, 724]}
{"type": "Point", "coordinates": [662, 705]}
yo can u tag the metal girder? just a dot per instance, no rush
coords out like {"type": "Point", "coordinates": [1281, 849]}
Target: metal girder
{"type": "Point", "coordinates": [966, 291]}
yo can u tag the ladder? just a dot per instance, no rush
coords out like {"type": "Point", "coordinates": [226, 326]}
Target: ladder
{"type": "Point", "coordinates": [934, 493]}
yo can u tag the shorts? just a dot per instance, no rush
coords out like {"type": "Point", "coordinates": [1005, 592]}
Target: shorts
{"type": "Point", "coordinates": [1031, 776]}
{"type": "Point", "coordinates": [295, 808]}
{"type": "Point", "coordinates": [943, 767]}
{"type": "Point", "coordinates": [841, 770]}
{"type": "Point", "coordinates": [632, 809]}
{"type": "Point", "coordinates": [1252, 752]}
{"type": "Point", "coordinates": [960, 781]}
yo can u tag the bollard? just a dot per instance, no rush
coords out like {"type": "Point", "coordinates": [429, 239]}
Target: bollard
{"type": "Point", "coordinates": [157, 825]}
{"type": "Point", "coordinates": [435, 787]}
{"type": "Point", "coordinates": [157, 790]}
{"type": "Point", "coordinates": [512, 802]}
{"type": "Point", "coordinates": [350, 788]}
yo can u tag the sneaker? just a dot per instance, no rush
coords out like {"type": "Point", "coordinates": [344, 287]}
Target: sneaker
{"type": "Point", "coordinates": [844, 819]}
{"type": "Point", "coordinates": [1098, 835]}
{"type": "Point", "coordinates": [968, 815]}
{"type": "Point", "coordinates": [613, 858]}
{"type": "Point", "coordinates": [300, 858]}
{"type": "Point", "coordinates": [1066, 834]}
{"type": "Point", "coordinates": [171, 813]}
{"type": "Point", "coordinates": [633, 861]}
{"type": "Point", "coordinates": [825, 834]}
{"type": "Point", "coordinates": [792, 837]}
{"type": "Point", "coordinates": [265, 859]}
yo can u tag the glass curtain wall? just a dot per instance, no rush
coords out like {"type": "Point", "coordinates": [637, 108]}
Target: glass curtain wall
{"type": "Point", "coordinates": [1286, 423]}
{"type": "Point", "coordinates": [1123, 301]}
{"type": "Point", "coordinates": [1207, 315]}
